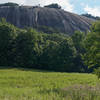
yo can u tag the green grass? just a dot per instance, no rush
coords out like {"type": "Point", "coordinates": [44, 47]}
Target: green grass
{"type": "Point", "coordinates": [19, 84]}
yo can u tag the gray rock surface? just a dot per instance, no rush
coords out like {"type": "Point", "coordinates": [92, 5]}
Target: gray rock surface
{"type": "Point", "coordinates": [63, 21]}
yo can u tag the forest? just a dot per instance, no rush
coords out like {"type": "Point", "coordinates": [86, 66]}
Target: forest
{"type": "Point", "coordinates": [28, 48]}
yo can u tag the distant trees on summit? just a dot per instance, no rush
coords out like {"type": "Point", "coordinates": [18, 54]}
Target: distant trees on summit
{"type": "Point", "coordinates": [54, 5]}
{"type": "Point", "coordinates": [9, 4]}
{"type": "Point", "coordinates": [90, 16]}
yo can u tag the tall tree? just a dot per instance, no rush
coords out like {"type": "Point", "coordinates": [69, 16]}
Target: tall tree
{"type": "Point", "coordinates": [78, 40]}
{"type": "Point", "coordinates": [92, 45]}
{"type": "Point", "coordinates": [7, 37]}
{"type": "Point", "coordinates": [27, 48]}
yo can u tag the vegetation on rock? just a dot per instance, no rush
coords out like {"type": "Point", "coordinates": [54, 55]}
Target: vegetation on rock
{"type": "Point", "coordinates": [9, 4]}
{"type": "Point", "coordinates": [53, 6]}
{"type": "Point", "coordinates": [92, 17]}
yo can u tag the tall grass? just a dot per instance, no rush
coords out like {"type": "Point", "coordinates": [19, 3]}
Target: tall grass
{"type": "Point", "coordinates": [82, 92]}
{"type": "Point", "coordinates": [19, 84]}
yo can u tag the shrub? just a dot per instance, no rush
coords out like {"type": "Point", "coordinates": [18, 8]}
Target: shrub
{"type": "Point", "coordinates": [97, 72]}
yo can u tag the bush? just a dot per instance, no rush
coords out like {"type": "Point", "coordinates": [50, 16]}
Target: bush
{"type": "Point", "coordinates": [97, 72]}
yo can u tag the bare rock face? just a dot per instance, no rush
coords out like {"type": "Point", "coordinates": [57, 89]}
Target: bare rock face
{"type": "Point", "coordinates": [29, 16]}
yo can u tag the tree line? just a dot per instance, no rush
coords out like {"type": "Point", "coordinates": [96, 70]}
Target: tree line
{"type": "Point", "coordinates": [28, 48]}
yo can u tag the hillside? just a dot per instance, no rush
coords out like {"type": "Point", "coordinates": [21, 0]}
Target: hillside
{"type": "Point", "coordinates": [42, 17]}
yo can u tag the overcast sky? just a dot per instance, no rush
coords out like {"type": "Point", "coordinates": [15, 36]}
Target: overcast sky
{"type": "Point", "coordinates": [76, 6]}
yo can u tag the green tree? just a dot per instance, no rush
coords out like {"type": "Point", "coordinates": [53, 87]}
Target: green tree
{"type": "Point", "coordinates": [92, 46]}
{"type": "Point", "coordinates": [27, 48]}
{"type": "Point", "coordinates": [66, 53]}
{"type": "Point", "coordinates": [59, 56]}
{"type": "Point", "coordinates": [7, 37]}
{"type": "Point", "coordinates": [48, 56]}
{"type": "Point", "coordinates": [78, 40]}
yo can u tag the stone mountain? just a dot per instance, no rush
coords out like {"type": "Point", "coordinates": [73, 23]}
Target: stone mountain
{"type": "Point", "coordinates": [34, 16]}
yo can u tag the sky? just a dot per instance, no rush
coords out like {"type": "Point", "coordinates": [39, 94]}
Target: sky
{"type": "Point", "coordinates": [76, 6]}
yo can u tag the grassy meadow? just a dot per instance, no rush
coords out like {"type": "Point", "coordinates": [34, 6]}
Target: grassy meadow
{"type": "Point", "coordinates": [21, 84]}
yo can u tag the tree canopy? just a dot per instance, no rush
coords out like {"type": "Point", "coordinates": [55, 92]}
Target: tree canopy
{"type": "Point", "coordinates": [92, 46]}
{"type": "Point", "coordinates": [31, 49]}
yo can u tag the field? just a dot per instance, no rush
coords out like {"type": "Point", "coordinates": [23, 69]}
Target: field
{"type": "Point", "coordinates": [20, 84]}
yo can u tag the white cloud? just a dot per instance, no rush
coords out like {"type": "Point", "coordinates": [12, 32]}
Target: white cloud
{"type": "Point", "coordinates": [93, 11]}
{"type": "Point", "coordinates": [64, 3]}
{"type": "Point", "coordinates": [82, 4]}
